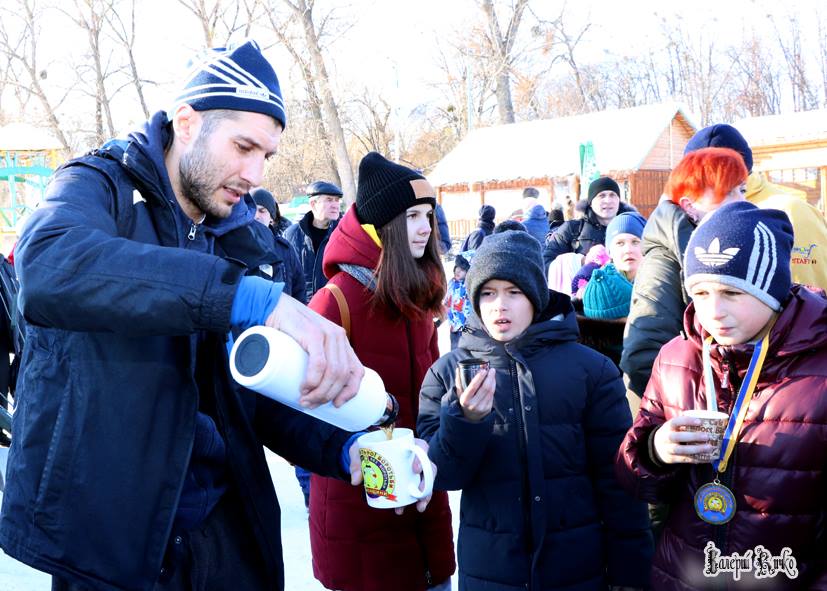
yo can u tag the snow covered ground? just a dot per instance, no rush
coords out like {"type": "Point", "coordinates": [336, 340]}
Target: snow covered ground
{"type": "Point", "coordinates": [15, 576]}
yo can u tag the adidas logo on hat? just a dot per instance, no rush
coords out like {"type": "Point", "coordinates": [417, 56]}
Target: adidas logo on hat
{"type": "Point", "coordinates": [713, 256]}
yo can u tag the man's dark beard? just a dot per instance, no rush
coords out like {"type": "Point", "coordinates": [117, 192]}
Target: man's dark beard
{"type": "Point", "coordinates": [197, 180]}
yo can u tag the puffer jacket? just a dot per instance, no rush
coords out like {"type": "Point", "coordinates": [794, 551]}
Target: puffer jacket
{"type": "Point", "coordinates": [577, 236]}
{"type": "Point", "coordinates": [541, 508]}
{"type": "Point", "coordinates": [658, 297]}
{"type": "Point", "coordinates": [778, 471]}
{"type": "Point", "coordinates": [299, 236]}
{"type": "Point", "coordinates": [355, 547]}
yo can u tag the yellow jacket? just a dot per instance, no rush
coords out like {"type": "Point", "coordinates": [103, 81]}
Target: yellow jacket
{"type": "Point", "coordinates": [807, 265]}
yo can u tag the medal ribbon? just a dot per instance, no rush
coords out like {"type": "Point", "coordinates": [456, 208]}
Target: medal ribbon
{"type": "Point", "coordinates": [739, 410]}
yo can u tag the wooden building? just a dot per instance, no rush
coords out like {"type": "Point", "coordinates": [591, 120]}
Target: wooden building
{"type": "Point", "coordinates": [637, 147]}
{"type": "Point", "coordinates": [791, 150]}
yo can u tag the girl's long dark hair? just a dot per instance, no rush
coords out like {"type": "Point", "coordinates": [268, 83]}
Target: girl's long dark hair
{"type": "Point", "coordinates": [412, 287]}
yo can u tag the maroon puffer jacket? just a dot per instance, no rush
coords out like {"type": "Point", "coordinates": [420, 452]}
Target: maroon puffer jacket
{"type": "Point", "coordinates": [778, 471]}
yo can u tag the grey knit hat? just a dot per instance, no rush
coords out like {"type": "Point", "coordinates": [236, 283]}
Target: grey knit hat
{"type": "Point", "coordinates": [509, 256]}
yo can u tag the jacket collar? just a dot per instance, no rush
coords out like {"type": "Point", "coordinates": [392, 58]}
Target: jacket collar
{"type": "Point", "coordinates": [141, 155]}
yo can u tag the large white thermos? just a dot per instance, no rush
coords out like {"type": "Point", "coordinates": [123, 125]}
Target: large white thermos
{"type": "Point", "coordinates": [270, 362]}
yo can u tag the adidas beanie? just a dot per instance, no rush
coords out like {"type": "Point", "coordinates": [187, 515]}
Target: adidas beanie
{"type": "Point", "coordinates": [744, 247]}
{"type": "Point", "coordinates": [238, 78]}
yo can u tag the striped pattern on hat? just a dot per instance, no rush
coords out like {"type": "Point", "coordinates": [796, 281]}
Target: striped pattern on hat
{"type": "Point", "coordinates": [238, 78]}
{"type": "Point", "coordinates": [744, 247]}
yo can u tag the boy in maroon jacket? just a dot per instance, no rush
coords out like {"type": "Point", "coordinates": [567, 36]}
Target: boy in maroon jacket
{"type": "Point", "coordinates": [760, 343]}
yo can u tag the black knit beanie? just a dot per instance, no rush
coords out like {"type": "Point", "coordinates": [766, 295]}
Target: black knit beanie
{"type": "Point", "coordinates": [604, 183]}
{"type": "Point", "coordinates": [264, 198]}
{"type": "Point", "coordinates": [509, 256]}
{"type": "Point", "coordinates": [385, 190]}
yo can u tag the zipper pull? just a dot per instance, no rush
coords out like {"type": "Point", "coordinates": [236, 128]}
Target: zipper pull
{"type": "Point", "coordinates": [725, 376]}
{"type": "Point", "coordinates": [193, 230]}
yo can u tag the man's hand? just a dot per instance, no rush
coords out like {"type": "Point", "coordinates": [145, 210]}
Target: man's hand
{"type": "Point", "coordinates": [333, 370]}
{"type": "Point", "coordinates": [477, 400]}
{"type": "Point", "coordinates": [674, 446]}
{"type": "Point", "coordinates": [356, 473]}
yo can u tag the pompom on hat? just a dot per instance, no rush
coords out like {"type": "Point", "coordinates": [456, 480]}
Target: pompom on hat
{"type": "Point", "coordinates": [387, 189]}
{"type": "Point", "coordinates": [744, 247]}
{"type": "Point", "coordinates": [238, 78]}
{"type": "Point", "coordinates": [608, 294]}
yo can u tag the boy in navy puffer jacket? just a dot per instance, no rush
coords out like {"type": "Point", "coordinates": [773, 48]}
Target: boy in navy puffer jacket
{"type": "Point", "coordinates": [531, 441]}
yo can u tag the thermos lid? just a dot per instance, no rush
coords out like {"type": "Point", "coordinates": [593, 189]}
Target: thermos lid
{"type": "Point", "coordinates": [251, 355]}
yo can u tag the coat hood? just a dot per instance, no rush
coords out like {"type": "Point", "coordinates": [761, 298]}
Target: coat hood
{"type": "Point", "coordinates": [557, 323]}
{"type": "Point", "coordinates": [801, 325]}
{"type": "Point", "coordinates": [349, 244]}
{"type": "Point", "coordinates": [142, 155]}
{"type": "Point", "coordinates": [537, 212]}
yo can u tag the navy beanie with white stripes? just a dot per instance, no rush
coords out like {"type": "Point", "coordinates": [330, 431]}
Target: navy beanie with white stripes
{"type": "Point", "coordinates": [744, 247]}
{"type": "Point", "coordinates": [238, 78]}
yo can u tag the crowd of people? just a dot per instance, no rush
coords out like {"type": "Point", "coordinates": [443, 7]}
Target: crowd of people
{"type": "Point", "coordinates": [136, 461]}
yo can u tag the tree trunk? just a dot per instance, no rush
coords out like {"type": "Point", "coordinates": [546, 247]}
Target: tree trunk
{"type": "Point", "coordinates": [330, 112]}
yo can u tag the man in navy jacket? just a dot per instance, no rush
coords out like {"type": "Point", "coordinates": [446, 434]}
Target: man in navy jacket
{"type": "Point", "coordinates": [136, 462]}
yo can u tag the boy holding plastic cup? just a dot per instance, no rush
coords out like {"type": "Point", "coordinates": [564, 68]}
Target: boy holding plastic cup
{"type": "Point", "coordinates": [531, 440]}
{"type": "Point", "coordinates": [755, 348]}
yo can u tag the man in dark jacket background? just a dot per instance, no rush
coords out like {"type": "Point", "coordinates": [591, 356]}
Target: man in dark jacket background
{"type": "Point", "coordinates": [136, 462]}
{"type": "Point", "coordinates": [309, 237]}
{"type": "Point", "coordinates": [485, 228]}
{"type": "Point", "coordinates": [580, 235]}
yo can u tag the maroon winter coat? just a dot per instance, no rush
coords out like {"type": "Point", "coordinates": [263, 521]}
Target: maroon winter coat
{"type": "Point", "coordinates": [778, 471]}
{"type": "Point", "coordinates": [356, 547]}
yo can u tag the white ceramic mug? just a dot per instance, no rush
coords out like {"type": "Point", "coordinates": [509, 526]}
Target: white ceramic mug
{"type": "Point", "coordinates": [387, 469]}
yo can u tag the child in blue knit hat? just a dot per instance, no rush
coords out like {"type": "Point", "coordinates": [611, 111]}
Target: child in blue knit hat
{"type": "Point", "coordinates": [755, 352]}
{"type": "Point", "coordinates": [608, 293]}
{"type": "Point", "coordinates": [531, 440]}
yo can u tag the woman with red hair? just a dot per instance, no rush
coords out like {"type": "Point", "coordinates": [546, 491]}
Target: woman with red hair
{"type": "Point", "coordinates": [702, 182]}
{"type": "Point", "coordinates": [384, 257]}
{"type": "Point", "coordinates": [707, 179]}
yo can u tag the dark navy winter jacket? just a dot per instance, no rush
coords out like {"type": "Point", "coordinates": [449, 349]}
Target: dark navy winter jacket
{"type": "Point", "coordinates": [536, 223]}
{"type": "Point", "coordinates": [299, 236]}
{"type": "Point", "coordinates": [541, 508]}
{"type": "Point", "coordinates": [283, 265]}
{"type": "Point", "coordinates": [121, 308]}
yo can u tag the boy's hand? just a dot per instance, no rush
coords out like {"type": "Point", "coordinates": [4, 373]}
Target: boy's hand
{"type": "Point", "coordinates": [478, 398]}
{"type": "Point", "coordinates": [673, 446]}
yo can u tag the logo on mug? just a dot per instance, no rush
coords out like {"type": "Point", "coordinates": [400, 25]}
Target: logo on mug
{"type": "Point", "coordinates": [380, 480]}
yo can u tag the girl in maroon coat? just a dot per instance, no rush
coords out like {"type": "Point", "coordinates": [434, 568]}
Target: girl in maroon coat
{"type": "Point", "coordinates": [383, 256]}
{"type": "Point", "coordinates": [756, 346]}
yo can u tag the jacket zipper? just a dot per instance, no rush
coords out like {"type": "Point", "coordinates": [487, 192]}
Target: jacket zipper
{"type": "Point", "coordinates": [193, 231]}
{"type": "Point", "coordinates": [521, 434]}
